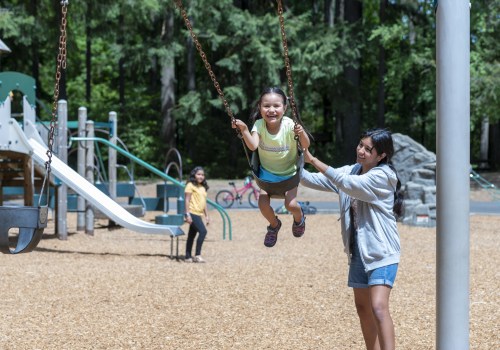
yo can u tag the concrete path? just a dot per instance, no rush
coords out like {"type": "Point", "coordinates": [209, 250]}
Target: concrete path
{"type": "Point", "coordinates": [484, 208]}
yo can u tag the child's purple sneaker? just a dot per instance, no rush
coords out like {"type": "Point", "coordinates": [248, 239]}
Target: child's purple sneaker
{"type": "Point", "coordinates": [299, 229]}
{"type": "Point", "coordinates": [272, 234]}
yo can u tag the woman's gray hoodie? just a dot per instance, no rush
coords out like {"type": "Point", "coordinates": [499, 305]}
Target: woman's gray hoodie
{"type": "Point", "coordinates": [378, 237]}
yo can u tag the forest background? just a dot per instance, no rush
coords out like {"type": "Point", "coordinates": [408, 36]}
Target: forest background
{"type": "Point", "coordinates": [355, 64]}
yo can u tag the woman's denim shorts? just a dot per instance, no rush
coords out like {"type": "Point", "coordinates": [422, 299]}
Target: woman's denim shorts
{"type": "Point", "coordinates": [358, 278]}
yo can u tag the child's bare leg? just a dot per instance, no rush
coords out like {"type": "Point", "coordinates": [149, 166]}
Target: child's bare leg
{"type": "Point", "coordinates": [266, 209]}
{"type": "Point", "coordinates": [292, 205]}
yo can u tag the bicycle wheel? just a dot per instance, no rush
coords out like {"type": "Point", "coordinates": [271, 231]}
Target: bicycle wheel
{"type": "Point", "coordinates": [224, 198]}
{"type": "Point", "coordinates": [253, 200]}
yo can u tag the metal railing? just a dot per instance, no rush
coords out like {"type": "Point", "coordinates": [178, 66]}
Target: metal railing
{"type": "Point", "coordinates": [226, 221]}
{"type": "Point", "coordinates": [493, 190]}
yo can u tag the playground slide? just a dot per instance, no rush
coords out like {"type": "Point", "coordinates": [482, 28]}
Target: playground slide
{"type": "Point", "coordinates": [93, 195]}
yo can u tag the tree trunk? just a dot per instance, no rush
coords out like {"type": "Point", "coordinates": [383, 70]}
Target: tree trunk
{"type": "Point", "coordinates": [63, 95]}
{"type": "Point", "coordinates": [328, 118]}
{"type": "Point", "coordinates": [341, 9]}
{"type": "Point", "coordinates": [483, 149]}
{"type": "Point", "coordinates": [329, 13]}
{"type": "Point", "coordinates": [381, 72]}
{"type": "Point", "coordinates": [168, 85]}
{"type": "Point", "coordinates": [88, 55]}
{"type": "Point", "coordinates": [352, 115]}
{"type": "Point", "coordinates": [121, 62]}
{"type": "Point", "coordinates": [494, 148]}
{"type": "Point", "coordinates": [243, 4]}
{"type": "Point", "coordinates": [34, 51]}
{"type": "Point", "coordinates": [191, 76]}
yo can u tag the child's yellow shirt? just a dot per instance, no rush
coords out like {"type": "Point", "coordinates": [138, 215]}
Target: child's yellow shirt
{"type": "Point", "coordinates": [198, 201]}
{"type": "Point", "coordinates": [277, 153]}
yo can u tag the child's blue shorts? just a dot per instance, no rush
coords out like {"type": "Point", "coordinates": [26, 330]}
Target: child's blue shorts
{"type": "Point", "coordinates": [267, 176]}
{"type": "Point", "coordinates": [358, 278]}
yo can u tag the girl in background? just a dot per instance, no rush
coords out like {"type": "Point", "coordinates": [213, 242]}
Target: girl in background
{"type": "Point", "coordinates": [196, 207]}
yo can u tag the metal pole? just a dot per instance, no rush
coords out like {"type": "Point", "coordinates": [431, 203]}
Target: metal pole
{"type": "Point", "coordinates": [112, 118]}
{"type": "Point", "coordinates": [112, 158]}
{"type": "Point", "coordinates": [453, 168]}
{"type": "Point", "coordinates": [62, 154]}
{"type": "Point", "coordinates": [89, 175]}
{"type": "Point", "coordinates": [82, 120]}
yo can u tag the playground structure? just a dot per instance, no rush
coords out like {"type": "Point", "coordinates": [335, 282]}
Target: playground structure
{"type": "Point", "coordinates": [485, 184]}
{"type": "Point", "coordinates": [23, 153]}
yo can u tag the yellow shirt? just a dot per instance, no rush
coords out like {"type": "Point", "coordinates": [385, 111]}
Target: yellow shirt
{"type": "Point", "coordinates": [198, 201]}
{"type": "Point", "coordinates": [277, 153]}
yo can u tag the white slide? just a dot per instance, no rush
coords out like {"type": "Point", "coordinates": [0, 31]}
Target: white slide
{"type": "Point", "coordinates": [93, 195]}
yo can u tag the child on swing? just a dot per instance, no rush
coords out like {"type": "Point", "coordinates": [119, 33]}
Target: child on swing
{"type": "Point", "coordinates": [273, 136]}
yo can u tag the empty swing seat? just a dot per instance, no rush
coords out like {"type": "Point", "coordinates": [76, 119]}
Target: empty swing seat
{"type": "Point", "coordinates": [30, 220]}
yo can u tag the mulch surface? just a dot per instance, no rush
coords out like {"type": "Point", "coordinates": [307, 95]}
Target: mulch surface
{"type": "Point", "coordinates": [121, 290]}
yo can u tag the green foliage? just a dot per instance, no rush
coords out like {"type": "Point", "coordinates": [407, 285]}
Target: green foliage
{"type": "Point", "coordinates": [188, 108]}
{"type": "Point", "coordinates": [245, 51]}
{"type": "Point", "coordinates": [485, 61]}
{"type": "Point", "coordinates": [14, 25]}
{"type": "Point", "coordinates": [141, 139]}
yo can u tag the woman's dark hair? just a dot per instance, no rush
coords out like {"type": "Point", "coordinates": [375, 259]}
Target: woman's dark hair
{"type": "Point", "coordinates": [383, 143]}
{"type": "Point", "coordinates": [192, 177]}
{"type": "Point", "coordinates": [255, 115]}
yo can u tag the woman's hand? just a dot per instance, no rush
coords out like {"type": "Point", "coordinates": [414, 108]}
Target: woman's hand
{"type": "Point", "coordinates": [315, 162]}
{"type": "Point", "coordinates": [307, 156]}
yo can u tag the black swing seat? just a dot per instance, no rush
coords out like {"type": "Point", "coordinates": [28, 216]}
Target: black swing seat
{"type": "Point", "coordinates": [30, 220]}
{"type": "Point", "coordinates": [276, 189]}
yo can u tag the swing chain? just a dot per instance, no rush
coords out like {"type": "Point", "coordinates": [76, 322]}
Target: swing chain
{"type": "Point", "coordinates": [61, 64]}
{"type": "Point", "coordinates": [288, 65]}
{"type": "Point", "coordinates": [206, 63]}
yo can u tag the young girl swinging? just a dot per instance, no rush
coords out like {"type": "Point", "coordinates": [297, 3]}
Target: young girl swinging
{"type": "Point", "coordinates": [272, 135]}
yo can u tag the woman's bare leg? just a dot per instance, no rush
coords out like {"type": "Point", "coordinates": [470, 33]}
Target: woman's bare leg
{"type": "Point", "coordinates": [379, 296]}
{"type": "Point", "coordinates": [363, 304]}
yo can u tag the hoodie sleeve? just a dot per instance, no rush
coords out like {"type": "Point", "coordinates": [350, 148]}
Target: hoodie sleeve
{"type": "Point", "coordinates": [372, 187]}
{"type": "Point", "coordinates": [317, 181]}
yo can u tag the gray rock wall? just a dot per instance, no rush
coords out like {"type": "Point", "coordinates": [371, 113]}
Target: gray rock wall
{"type": "Point", "coordinates": [416, 168]}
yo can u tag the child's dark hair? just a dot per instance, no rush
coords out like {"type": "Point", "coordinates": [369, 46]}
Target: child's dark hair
{"type": "Point", "coordinates": [383, 143]}
{"type": "Point", "coordinates": [192, 177]}
{"type": "Point", "coordinates": [255, 115]}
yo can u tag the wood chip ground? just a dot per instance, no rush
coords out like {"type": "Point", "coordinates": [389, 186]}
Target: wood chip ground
{"type": "Point", "coordinates": [120, 290]}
